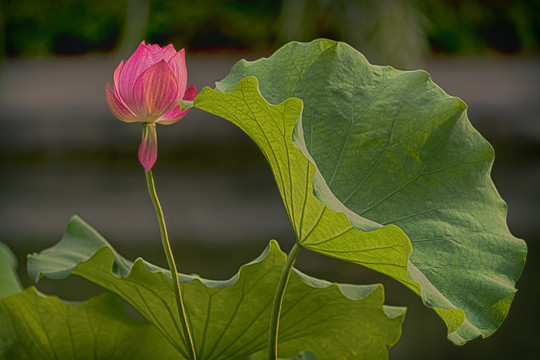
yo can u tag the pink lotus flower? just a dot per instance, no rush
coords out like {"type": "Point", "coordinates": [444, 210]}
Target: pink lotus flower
{"type": "Point", "coordinates": [147, 88]}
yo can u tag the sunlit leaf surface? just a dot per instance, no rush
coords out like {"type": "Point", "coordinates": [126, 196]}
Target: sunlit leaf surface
{"type": "Point", "coordinates": [397, 156]}
{"type": "Point", "coordinates": [38, 326]}
{"type": "Point", "coordinates": [229, 319]}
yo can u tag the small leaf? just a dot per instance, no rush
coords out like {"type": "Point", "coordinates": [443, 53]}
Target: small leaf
{"type": "Point", "coordinates": [9, 281]}
{"type": "Point", "coordinates": [185, 104]}
{"type": "Point", "coordinates": [229, 319]}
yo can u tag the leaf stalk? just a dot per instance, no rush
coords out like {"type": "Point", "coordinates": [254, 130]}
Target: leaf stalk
{"type": "Point", "coordinates": [278, 301]}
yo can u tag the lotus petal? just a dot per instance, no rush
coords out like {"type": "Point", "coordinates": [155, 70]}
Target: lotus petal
{"type": "Point", "coordinates": [178, 66]}
{"type": "Point", "coordinates": [137, 64]}
{"type": "Point", "coordinates": [155, 92]}
{"type": "Point", "coordinates": [118, 108]}
{"type": "Point", "coordinates": [176, 113]}
{"type": "Point", "coordinates": [148, 147]}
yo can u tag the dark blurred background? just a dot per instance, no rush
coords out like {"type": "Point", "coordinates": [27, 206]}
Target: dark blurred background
{"type": "Point", "coordinates": [62, 152]}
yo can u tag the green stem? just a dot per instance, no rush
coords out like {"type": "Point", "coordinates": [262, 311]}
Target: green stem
{"type": "Point", "coordinates": [172, 265]}
{"type": "Point", "coordinates": [278, 301]}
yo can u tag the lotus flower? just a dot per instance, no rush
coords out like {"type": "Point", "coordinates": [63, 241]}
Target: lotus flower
{"type": "Point", "coordinates": [147, 88]}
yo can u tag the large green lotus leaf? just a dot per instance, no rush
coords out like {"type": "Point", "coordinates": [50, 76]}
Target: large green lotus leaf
{"type": "Point", "coordinates": [37, 326]}
{"type": "Point", "coordinates": [391, 150]}
{"type": "Point", "coordinates": [230, 319]}
{"type": "Point", "coordinates": [386, 249]}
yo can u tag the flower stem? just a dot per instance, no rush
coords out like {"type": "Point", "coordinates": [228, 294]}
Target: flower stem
{"type": "Point", "coordinates": [278, 301]}
{"type": "Point", "coordinates": [172, 265]}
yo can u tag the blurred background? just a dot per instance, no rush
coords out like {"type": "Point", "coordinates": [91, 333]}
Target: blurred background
{"type": "Point", "coordinates": [62, 152]}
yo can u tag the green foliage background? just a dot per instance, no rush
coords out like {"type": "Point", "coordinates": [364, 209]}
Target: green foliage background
{"type": "Point", "coordinates": [34, 27]}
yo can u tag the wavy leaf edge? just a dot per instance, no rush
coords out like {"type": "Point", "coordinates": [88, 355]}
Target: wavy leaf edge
{"type": "Point", "coordinates": [351, 291]}
{"type": "Point", "coordinates": [454, 317]}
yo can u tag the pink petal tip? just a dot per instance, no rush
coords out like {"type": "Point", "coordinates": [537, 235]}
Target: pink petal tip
{"type": "Point", "coordinates": [148, 148]}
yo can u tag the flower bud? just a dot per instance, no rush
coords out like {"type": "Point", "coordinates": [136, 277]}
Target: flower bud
{"type": "Point", "coordinates": [147, 88]}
